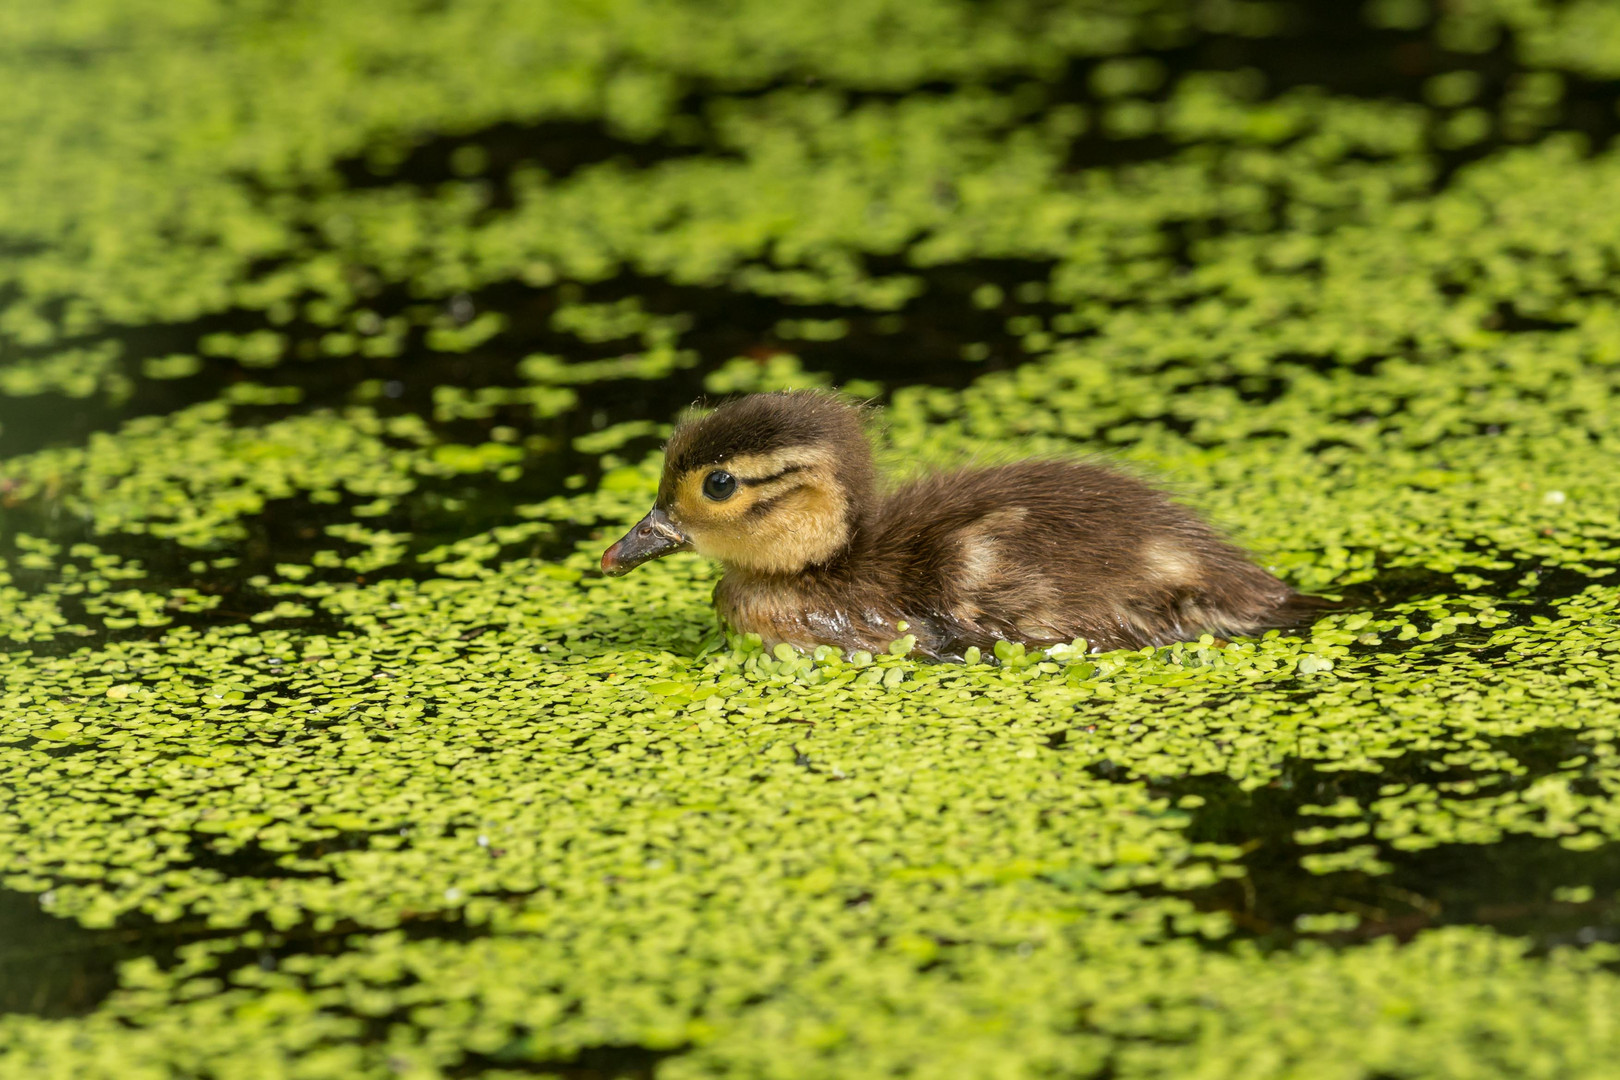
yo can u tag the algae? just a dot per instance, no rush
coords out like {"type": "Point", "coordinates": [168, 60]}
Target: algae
{"type": "Point", "coordinates": [336, 340]}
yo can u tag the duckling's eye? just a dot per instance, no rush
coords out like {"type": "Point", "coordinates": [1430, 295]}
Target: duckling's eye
{"type": "Point", "coordinates": [719, 485]}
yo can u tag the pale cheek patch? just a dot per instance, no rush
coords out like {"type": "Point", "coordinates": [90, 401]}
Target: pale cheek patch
{"type": "Point", "coordinates": [801, 529]}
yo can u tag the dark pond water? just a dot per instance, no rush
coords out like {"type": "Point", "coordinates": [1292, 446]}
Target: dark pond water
{"type": "Point", "coordinates": [1520, 885]}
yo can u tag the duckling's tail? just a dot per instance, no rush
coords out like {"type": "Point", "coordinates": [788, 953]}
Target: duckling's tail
{"type": "Point", "coordinates": [1299, 610]}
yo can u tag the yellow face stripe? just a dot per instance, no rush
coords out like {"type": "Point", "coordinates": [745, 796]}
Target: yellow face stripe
{"type": "Point", "coordinates": [758, 475]}
{"type": "Point", "coordinates": [755, 468]}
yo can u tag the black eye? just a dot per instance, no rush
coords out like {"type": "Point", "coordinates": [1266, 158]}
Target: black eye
{"type": "Point", "coordinates": [719, 485]}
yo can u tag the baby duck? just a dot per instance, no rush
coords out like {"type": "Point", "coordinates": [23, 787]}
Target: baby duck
{"type": "Point", "coordinates": [780, 488]}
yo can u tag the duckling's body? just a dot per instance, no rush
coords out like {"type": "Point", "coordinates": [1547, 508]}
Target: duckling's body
{"type": "Point", "coordinates": [780, 488]}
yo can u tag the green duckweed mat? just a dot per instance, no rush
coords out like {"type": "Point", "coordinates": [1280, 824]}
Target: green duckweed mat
{"type": "Point", "coordinates": [337, 339]}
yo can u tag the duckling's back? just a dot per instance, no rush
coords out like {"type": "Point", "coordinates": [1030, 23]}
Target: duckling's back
{"type": "Point", "coordinates": [1048, 551]}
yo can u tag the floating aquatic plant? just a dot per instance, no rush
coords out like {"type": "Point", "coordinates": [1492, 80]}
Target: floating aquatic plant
{"type": "Point", "coordinates": [334, 340]}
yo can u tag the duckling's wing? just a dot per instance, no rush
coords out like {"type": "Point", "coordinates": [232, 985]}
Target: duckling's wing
{"type": "Point", "coordinates": [1044, 552]}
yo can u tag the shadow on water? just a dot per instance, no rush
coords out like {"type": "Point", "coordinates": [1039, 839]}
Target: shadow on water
{"type": "Point", "coordinates": [609, 1062]}
{"type": "Point", "coordinates": [1519, 884]}
{"type": "Point", "coordinates": [1522, 884]}
{"type": "Point", "coordinates": [920, 343]}
{"type": "Point", "coordinates": [1520, 588]}
{"type": "Point", "coordinates": [493, 154]}
{"type": "Point", "coordinates": [55, 967]}
{"type": "Point", "coordinates": [1331, 47]}
{"type": "Point", "coordinates": [1313, 45]}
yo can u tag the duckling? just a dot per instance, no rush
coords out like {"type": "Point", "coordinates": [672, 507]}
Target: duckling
{"type": "Point", "coordinates": [781, 489]}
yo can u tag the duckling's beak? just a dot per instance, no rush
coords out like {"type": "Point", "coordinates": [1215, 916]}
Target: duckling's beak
{"type": "Point", "coordinates": [653, 536]}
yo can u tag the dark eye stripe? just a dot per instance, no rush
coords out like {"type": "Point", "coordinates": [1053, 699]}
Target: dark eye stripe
{"type": "Point", "coordinates": [755, 481]}
{"type": "Point", "coordinates": [763, 507]}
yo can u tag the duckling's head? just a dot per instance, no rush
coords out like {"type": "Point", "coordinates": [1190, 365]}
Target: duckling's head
{"type": "Point", "coordinates": [767, 484]}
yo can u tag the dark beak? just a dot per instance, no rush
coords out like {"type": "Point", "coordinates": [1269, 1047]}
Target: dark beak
{"type": "Point", "coordinates": [652, 537]}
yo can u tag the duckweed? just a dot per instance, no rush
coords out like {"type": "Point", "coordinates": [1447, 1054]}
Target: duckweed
{"type": "Point", "coordinates": [336, 342]}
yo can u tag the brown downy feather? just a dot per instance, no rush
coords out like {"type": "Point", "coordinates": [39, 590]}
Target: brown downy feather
{"type": "Point", "coordinates": [1039, 552]}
